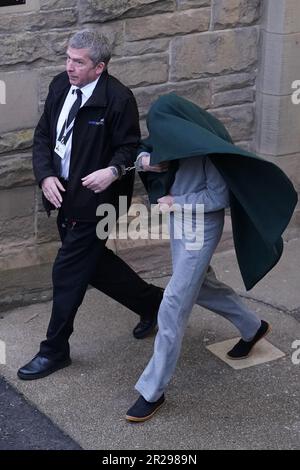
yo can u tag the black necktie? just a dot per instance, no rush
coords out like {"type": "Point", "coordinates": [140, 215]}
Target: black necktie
{"type": "Point", "coordinates": [75, 108]}
{"type": "Point", "coordinates": [72, 114]}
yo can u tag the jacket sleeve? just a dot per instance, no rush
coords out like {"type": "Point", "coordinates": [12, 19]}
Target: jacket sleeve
{"type": "Point", "coordinates": [214, 194]}
{"type": "Point", "coordinates": [145, 146]}
{"type": "Point", "coordinates": [42, 153]}
{"type": "Point", "coordinates": [125, 133]}
{"type": "Point", "coordinates": [208, 197]}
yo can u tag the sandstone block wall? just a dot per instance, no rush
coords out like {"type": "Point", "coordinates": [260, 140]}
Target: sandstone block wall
{"type": "Point", "coordinates": [208, 51]}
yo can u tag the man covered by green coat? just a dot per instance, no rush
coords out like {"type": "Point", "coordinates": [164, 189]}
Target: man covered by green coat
{"type": "Point", "coordinates": [206, 169]}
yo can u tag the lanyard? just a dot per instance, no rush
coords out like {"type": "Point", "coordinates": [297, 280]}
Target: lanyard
{"type": "Point", "coordinates": [66, 132]}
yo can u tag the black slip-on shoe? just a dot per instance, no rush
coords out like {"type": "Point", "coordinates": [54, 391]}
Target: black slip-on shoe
{"type": "Point", "coordinates": [143, 410]}
{"type": "Point", "coordinates": [243, 348]}
{"type": "Point", "coordinates": [40, 367]}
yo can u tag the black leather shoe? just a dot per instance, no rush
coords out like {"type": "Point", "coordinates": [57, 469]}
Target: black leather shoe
{"type": "Point", "coordinates": [243, 348]}
{"type": "Point", "coordinates": [147, 325]}
{"type": "Point", "coordinates": [143, 409]}
{"type": "Point", "coordinates": [145, 328]}
{"type": "Point", "coordinates": [40, 367]}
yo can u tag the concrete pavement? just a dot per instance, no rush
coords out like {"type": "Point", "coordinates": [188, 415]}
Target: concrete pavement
{"type": "Point", "coordinates": [209, 405]}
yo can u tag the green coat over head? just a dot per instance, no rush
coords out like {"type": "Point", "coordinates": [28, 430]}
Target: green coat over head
{"type": "Point", "coordinates": [262, 198]}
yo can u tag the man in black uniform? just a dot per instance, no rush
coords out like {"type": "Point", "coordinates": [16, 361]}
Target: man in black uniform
{"type": "Point", "coordinates": [86, 138]}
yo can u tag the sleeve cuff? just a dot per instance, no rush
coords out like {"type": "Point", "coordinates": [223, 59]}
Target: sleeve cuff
{"type": "Point", "coordinates": [178, 200]}
{"type": "Point", "coordinates": [138, 163]}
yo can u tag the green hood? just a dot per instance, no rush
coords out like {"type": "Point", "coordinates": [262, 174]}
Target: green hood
{"type": "Point", "coordinates": [262, 198]}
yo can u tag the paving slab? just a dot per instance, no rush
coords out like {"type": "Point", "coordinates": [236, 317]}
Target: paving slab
{"type": "Point", "coordinates": [263, 352]}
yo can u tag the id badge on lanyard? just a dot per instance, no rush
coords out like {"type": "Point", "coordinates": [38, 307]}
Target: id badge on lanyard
{"type": "Point", "coordinates": [61, 144]}
{"type": "Point", "coordinates": [60, 149]}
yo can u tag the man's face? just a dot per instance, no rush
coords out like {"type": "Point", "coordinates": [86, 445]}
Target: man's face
{"type": "Point", "coordinates": [80, 68]}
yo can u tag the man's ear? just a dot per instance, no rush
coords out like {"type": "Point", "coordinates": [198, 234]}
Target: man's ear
{"type": "Point", "coordinates": [99, 68]}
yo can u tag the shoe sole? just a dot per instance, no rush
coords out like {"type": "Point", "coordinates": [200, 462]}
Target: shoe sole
{"type": "Point", "coordinates": [245, 357]}
{"type": "Point", "coordinates": [43, 374]}
{"type": "Point", "coordinates": [134, 419]}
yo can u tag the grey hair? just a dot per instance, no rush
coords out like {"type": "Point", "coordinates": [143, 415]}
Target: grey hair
{"type": "Point", "coordinates": [98, 44]}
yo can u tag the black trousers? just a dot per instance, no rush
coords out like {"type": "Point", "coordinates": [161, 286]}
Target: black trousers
{"type": "Point", "coordinates": [83, 259]}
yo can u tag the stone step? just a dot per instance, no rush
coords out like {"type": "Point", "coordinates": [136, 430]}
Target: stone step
{"type": "Point", "coordinates": [149, 258]}
{"type": "Point", "coordinates": [25, 286]}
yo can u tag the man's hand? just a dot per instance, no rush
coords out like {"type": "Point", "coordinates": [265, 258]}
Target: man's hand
{"type": "Point", "coordinates": [159, 168]}
{"type": "Point", "coordinates": [165, 203]}
{"type": "Point", "coordinates": [99, 180]}
{"type": "Point", "coordinates": [51, 188]}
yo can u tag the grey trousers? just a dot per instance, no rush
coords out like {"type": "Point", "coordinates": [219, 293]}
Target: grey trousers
{"type": "Point", "coordinates": [193, 282]}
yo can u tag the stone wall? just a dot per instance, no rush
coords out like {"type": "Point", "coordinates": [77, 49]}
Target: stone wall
{"type": "Point", "coordinates": [277, 117]}
{"type": "Point", "coordinates": [204, 50]}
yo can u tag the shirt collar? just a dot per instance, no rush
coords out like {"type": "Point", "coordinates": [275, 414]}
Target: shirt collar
{"type": "Point", "coordinates": [88, 89]}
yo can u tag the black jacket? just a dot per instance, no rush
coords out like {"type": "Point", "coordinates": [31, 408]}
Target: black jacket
{"type": "Point", "coordinates": [106, 132]}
